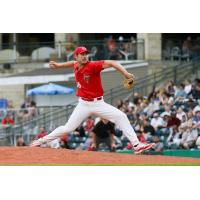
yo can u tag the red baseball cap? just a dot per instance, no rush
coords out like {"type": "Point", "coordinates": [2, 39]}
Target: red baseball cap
{"type": "Point", "coordinates": [79, 50]}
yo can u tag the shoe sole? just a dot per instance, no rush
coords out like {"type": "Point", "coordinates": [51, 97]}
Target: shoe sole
{"type": "Point", "coordinates": [149, 147]}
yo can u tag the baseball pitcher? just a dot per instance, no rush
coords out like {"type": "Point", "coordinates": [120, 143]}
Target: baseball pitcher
{"type": "Point", "coordinates": [90, 94]}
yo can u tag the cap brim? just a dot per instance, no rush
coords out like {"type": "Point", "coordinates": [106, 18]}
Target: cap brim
{"type": "Point", "coordinates": [81, 53]}
{"type": "Point", "coordinates": [84, 52]}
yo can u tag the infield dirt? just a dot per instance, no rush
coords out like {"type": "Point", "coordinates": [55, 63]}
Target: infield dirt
{"type": "Point", "coordinates": [47, 156]}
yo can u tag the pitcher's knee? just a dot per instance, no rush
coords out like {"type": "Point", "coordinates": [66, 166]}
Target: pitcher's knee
{"type": "Point", "coordinates": [121, 117]}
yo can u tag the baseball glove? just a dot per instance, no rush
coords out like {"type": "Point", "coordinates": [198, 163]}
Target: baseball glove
{"type": "Point", "coordinates": [129, 83]}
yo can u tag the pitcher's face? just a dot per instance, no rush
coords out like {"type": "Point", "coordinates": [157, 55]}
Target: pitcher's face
{"type": "Point", "coordinates": [82, 58]}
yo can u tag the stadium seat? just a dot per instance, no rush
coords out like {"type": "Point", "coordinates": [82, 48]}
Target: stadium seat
{"type": "Point", "coordinates": [175, 53]}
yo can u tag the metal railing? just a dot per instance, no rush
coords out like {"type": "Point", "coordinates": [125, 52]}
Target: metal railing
{"type": "Point", "coordinates": [173, 49]}
{"type": "Point", "coordinates": [62, 51]}
{"type": "Point", "coordinates": [144, 85]}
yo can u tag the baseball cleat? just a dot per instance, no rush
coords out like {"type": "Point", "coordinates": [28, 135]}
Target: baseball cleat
{"type": "Point", "coordinates": [142, 147]}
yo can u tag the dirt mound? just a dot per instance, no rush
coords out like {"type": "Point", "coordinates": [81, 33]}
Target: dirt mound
{"type": "Point", "coordinates": [47, 156]}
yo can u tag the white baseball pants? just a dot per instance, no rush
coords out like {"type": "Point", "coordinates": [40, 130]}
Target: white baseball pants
{"type": "Point", "coordinates": [98, 107]}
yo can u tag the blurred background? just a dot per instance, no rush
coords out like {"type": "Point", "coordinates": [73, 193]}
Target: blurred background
{"type": "Point", "coordinates": [163, 107]}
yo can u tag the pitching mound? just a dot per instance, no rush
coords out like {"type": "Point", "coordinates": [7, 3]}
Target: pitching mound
{"type": "Point", "coordinates": [47, 156]}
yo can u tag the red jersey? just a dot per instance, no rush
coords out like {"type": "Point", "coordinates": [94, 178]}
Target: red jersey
{"type": "Point", "coordinates": [88, 79]}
